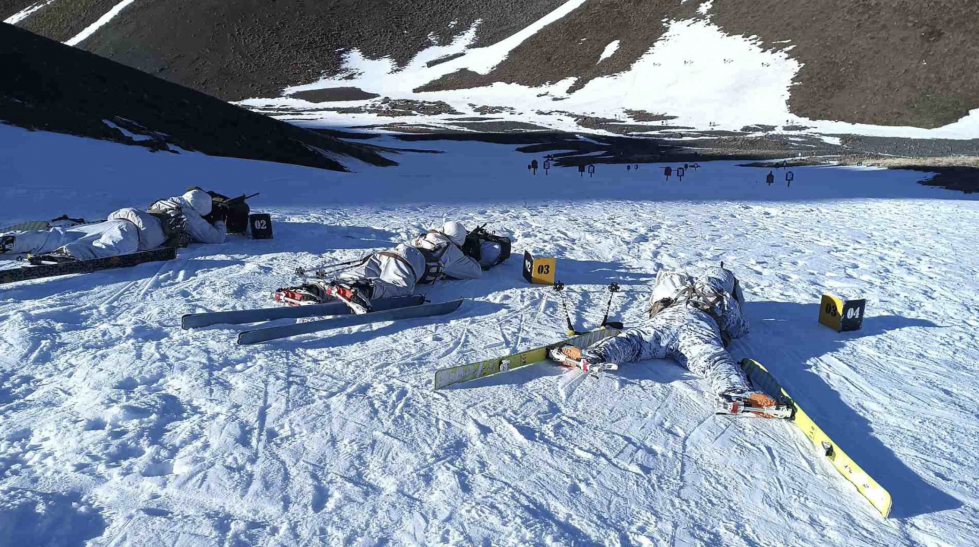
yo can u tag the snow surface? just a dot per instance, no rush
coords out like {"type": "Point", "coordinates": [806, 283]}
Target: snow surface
{"type": "Point", "coordinates": [610, 50]}
{"type": "Point", "coordinates": [695, 72]}
{"type": "Point", "coordinates": [119, 428]}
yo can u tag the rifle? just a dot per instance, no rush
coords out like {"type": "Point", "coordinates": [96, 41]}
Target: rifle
{"type": "Point", "coordinates": [240, 199]}
{"type": "Point", "coordinates": [471, 247]}
{"type": "Point", "coordinates": [234, 211]}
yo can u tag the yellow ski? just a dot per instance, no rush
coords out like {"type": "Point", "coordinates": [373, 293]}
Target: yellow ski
{"type": "Point", "coordinates": [866, 485]}
{"type": "Point", "coordinates": [464, 373]}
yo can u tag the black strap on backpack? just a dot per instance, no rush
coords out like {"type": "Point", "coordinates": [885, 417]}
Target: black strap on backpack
{"type": "Point", "coordinates": [474, 243]}
{"type": "Point", "coordinates": [174, 225]}
{"type": "Point", "coordinates": [433, 265]}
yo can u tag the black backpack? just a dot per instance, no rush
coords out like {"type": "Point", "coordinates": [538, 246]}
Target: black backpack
{"type": "Point", "coordinates": [474, 242]}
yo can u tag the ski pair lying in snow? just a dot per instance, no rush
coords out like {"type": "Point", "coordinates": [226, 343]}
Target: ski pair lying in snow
{"type": "Point", "coordinates": [385, 309]}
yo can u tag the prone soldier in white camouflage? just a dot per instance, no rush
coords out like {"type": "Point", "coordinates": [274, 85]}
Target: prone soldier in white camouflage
{"type": "Point", "coordinates": [437, 254]}
{"type": "Point", "coordinates": [691, 321]}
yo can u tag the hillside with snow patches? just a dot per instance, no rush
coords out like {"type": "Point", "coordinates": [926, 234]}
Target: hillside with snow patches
{"type": "Point", "coordinates": [118, 428]}
{"type": "Point", "coordinates": [897, 68]}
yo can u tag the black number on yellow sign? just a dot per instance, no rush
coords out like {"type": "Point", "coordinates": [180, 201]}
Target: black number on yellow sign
{"type": "Point", "coordinates": [544, 269]}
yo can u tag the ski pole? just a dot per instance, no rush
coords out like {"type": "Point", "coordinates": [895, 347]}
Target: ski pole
{"type": "Point", "coordinates": [559, 288]}
{"type": "Point", "coordinates": [612, 289]}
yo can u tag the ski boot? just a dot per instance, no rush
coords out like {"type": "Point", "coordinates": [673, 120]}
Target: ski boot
{"type": "Point", "coordinates": [6, 244]}
{"type": "Point", "coordinates": [752, 402]}
{"type": "Point", "coordinates": [303, 295]}
{"type": "Point", "coordinates": [351, 295]}
{"type": "Point", "coordinates": [571, 356]}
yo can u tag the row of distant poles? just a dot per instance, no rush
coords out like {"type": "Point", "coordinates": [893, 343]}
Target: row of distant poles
{"type": "Point", "coordinates": [789, 175]}
{"type": "Point", "coordinates": [590, 168]}
{"type": "Point", "coordinates": [582, 169]}
{"type": "Point", "coordinates": [680, 172]}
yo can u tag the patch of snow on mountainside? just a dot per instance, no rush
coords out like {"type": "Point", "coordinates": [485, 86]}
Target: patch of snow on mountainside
{"type": "Point", "coordinates": [609, 50]}
{"type": "Point", "coordinates": [24, 14]}
{"type": "Point", "coordinates": [90, 30]}
{"type": "Point", "coordinates": [696, 72]}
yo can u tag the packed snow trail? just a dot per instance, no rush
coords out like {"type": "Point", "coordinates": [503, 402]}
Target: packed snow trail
{"type": "Point", "coordinates": [119, 426]}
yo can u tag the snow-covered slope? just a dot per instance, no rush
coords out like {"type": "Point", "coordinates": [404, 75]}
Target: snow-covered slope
{"type": "Point", "coordinates": [696, 76]}
{"type": "Point", "coordinates": [118, 428]}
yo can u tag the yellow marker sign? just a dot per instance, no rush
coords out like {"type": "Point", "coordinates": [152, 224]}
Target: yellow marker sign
{"type": "Point", "coordinates": [841, 315]}
{"type": "Point", "coordinates": [540, 271]}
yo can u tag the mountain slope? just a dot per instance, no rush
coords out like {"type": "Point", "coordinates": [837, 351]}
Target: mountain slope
{"type": "Point", "coordinates": [53, 87]}
{"type": "Point", "coordinates": [900, 62]}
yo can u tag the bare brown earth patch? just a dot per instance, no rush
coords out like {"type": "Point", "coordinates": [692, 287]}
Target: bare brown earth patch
{"type": "Point", "coordinates": [62, 20]}
{"type": "Point", "coordinates": [335, 94]}
{"type": "Point", "coordinates": [12, 7]}
{"type": "Point", "coordinates": [643, 116]}
{"type": "Point", "coordinates": [240, 49]}
{"type": "Point", "coordinates": [894, 62]}
{"type": "Point", "coordinates": [885, 62]}
{"type": "Point", "coordinates": [573, 45]}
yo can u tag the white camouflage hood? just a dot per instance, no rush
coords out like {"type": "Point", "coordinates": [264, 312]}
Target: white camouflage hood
{"type": "Point", "coordinates": [199, 200]}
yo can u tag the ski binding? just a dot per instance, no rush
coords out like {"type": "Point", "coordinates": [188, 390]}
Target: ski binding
{"type": "Point", "coordinates": [557, 355]}
{"type": "Point", "coordinates": [739, 408]}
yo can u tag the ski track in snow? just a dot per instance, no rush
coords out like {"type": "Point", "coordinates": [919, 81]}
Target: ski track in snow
{"type": "Point", "coordinates": [136, 432]}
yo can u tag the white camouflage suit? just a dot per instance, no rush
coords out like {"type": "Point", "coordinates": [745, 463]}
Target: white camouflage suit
{"type": "Point", "coordinates": [686, 333]}
{"type": "Point", "coordinates": [392, 276]}
{"type": "Point", "coordinates": [125, 231]}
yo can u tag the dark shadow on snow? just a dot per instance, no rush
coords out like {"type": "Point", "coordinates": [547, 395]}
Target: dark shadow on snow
{"type": "Point", "coordinates": [37, 289]}
{"type": "Point", "coordinates": [31, 517]}
{"type": "Point", "coordinates": [300, 237]}
{"type": "Point", "coordinates": [573, 273]}
{"type": "Point", "coordinates": [366, 333]}
{"type": "Point", "coordinates": [661, 371]}
{"type": "Point", "coordinates": [795, 326]}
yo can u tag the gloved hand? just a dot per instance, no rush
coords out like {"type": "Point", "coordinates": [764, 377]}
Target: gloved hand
{"type": "Point", "coordinates": [218, 213]}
